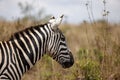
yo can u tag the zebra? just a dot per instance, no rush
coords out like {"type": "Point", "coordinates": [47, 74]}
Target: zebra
{"type": "Point", "coordinates": [26, 47]}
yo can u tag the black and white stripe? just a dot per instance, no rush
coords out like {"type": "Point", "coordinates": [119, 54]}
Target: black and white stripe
{"type": "Point", "coordinates": [26, 47]}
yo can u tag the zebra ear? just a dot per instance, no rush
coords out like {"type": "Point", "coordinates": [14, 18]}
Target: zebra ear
{"type": "Point", "coordinates": [52, 17]}
{"type": "Point", "coordinates": [52, 20]}
{"type": "Point", "coordinates": [56, 22]}
{"type": "Point", "coordinates": [59, 20]}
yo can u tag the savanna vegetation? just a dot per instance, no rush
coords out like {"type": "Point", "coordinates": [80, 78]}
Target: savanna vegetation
{"type": "Point", "coordinates": [94, 44]}
{"type": "Point", "coordinates": [96, 50]}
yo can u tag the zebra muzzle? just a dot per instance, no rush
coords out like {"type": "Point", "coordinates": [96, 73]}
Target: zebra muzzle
{"type": "Point", "coordinates": [69, 63]}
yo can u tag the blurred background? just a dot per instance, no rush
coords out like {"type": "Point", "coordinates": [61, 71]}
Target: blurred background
{"type": "Point", "coordinates": [92, 30]}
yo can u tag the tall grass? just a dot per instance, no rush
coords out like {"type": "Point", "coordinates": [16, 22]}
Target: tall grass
{"type": "Point", "coordinates": [96, 50]}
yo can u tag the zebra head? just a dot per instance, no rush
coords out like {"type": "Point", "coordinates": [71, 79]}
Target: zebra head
{"type": "Point", "coordinates": [57, 47]}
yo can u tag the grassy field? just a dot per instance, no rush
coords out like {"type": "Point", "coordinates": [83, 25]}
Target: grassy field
{"type": "Point", "coordinates": [96, 50]}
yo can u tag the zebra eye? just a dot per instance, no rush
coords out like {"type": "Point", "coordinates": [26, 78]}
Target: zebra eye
{"type": "Point", "coordinates": [63, 38]}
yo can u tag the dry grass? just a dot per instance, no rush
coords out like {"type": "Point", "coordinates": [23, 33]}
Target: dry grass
{"type": "Point", "coordinates": [96, 49]}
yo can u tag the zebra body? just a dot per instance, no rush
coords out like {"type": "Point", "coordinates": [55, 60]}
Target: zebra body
{"type": "Point", "coordinates": [26, 47]}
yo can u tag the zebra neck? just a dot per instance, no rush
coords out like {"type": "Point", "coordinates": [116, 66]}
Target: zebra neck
{"type": "Point", "coordinates": [30, 45]}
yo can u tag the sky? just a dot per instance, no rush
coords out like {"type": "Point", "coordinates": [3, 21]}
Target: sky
{"type": "Point", "coordinates": [74, 10]}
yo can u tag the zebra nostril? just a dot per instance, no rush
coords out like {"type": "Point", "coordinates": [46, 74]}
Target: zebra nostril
{"type": "Point", "coordinates": [72, 61]}
{"type": "Point", "coordinates": [71, 58]}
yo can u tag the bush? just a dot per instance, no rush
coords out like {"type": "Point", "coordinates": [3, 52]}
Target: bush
{"type": "Point", "coordinates": [90, 68]}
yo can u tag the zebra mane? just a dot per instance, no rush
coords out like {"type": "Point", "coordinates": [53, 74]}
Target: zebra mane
{"type": "Point", "coordinates": [16, 34]}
